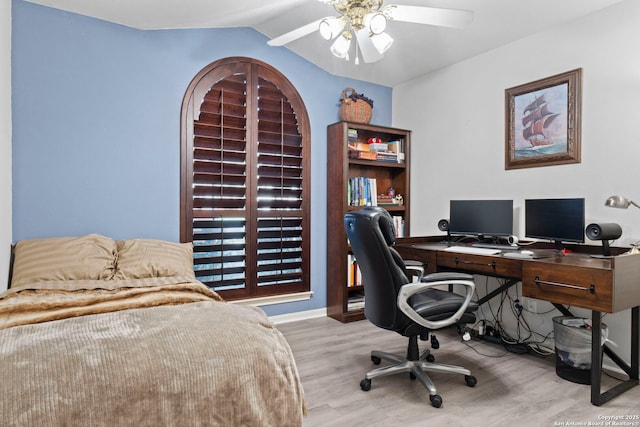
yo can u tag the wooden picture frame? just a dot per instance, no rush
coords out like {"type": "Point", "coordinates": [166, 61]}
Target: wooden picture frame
{"type": "Point", "coordinates": [543, 121]}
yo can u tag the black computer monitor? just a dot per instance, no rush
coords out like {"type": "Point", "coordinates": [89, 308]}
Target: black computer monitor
{"type": "Point", "coordinates": [558, 220]}
{"type": "Point", "coordinates": [481, 218]}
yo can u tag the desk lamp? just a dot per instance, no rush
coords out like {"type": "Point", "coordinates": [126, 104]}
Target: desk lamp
{"type": "Point", "coordinates": [623, 203]}
{"type": "Point", "coordinates": [620, 202]}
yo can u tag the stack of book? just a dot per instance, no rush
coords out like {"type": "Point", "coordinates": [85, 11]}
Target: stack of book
{"type": "Point", "coordinates": [355, 302]}
{"type": "Point", "coordinates": [386, 200]}
{"type": "Point", "coordinates": [359, 150]}
{"type": "Point", "coordinates": [397, 147]}
{"type": "Point", "coordinates": [383, 153]}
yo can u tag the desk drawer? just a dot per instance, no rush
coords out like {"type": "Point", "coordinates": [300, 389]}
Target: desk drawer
{"type": "Point", "coordinates": [480, 264]}
{"type": "Point", "coordinates": [584, 287]}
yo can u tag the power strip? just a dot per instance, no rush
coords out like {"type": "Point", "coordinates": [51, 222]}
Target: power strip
{"type": "Point", "coordinates": [491, 339]}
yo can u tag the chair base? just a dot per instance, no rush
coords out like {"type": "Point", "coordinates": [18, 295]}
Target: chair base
{"type": "Point", "coordinates": [417, 368]}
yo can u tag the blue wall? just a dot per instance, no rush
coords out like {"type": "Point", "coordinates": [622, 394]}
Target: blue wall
{"type": "Point", "coordinates": [96, 125]}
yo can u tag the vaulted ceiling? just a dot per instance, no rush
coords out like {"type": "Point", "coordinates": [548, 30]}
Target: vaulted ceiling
{"type": "Point", "coordinates": [418, 49]}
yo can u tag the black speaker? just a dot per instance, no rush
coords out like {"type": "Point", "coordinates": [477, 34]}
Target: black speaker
{"type": "Point", "coordinates": [605, 232]}
{"type": "Point", "coordinates": [443, 225]}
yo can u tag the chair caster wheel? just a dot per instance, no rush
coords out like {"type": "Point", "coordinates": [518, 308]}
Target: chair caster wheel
{"type": "Point", "coordinates": [436, 400]}
{"type": "Point", "coordinates": [430, 358]}
{"type": "Point", "coordinates": [376, 360]}
{"type": "Point", "coordinates": [470, 380]}
{"type": "Point", "coordinates": [365, 385]}
{"type": "Point", "coordinates": [435, 344]}
{"type": "Point", "coordinates": [412, 376]}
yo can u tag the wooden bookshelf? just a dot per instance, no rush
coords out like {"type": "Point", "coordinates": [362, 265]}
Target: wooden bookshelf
{"type": "Point", "coordinates": [342, 166]}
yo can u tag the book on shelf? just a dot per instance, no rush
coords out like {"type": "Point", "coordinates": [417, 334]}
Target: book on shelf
{"type": "Point", "coordinates": [355, 302]}
{"type": "Point", "coordinates": [351, 271]}
{"type": "Point", "coordinates": [354, 275]}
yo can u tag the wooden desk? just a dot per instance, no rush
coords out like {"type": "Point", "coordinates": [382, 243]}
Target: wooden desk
{"type": "Point", "coordinates": [602, 285]}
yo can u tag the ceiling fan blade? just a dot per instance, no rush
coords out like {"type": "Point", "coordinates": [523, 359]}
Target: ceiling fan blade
{"type": "Point", "coordinates": [367, 49]}
{"type": "Point", "coordinates": [429, 15]}
{"type": "Point", "coordinates": [295, 34]}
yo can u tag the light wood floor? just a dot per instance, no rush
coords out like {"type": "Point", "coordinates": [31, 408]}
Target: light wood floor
{"type": "Point", "coordinates": [512, 390]}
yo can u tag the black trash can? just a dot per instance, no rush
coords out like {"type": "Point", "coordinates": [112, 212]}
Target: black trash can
{"type": "Point", "coordinates": [572, 337]}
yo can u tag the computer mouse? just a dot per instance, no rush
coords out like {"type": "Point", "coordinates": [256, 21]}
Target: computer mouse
{"type": "Point", "coordinates": [526, 252]}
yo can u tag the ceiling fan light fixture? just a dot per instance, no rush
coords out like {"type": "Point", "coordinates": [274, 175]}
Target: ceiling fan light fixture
{"type": "Point", "coordinates": [331, 27]}
{"type": "Point", "coordinates": [367, 21]}
{"type": "Point", "coordinates": [382, 42]}
{"type": "Point", "coordinates": [340, 47]}
{"type": "Point", "coordinates": [377, 23]}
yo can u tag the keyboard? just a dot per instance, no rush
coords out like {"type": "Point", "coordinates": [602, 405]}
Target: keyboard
{"type": "Point", "coordinates": [495, 246]}
{"type": "Point", "coordinates": [472, 250]}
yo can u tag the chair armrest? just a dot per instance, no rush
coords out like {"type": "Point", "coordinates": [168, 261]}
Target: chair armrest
{"type": "Point", "coordinates": [431, 281]}
{"type": "Point", "coordinates": [416, 266]}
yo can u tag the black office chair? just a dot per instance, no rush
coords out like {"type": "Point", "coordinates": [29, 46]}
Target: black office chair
{"type": "Point", "coordinates": [412, 309]}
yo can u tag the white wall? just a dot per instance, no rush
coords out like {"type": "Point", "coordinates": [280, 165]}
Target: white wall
{"type": "Point", "coordinates": [5, 141]}
{"type": "Point", "coordinates": [457, 118]}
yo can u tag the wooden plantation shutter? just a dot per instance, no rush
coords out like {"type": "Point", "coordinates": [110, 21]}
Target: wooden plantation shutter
{"type": "Point", "coordinates": [245, 180]}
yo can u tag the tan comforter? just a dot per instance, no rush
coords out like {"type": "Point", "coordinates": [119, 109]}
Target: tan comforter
{"type": "Point", "coordinates": [164, 352]}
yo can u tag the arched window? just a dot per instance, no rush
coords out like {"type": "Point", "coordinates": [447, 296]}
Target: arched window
{"type": "Point", "coordinates": [245, 179]}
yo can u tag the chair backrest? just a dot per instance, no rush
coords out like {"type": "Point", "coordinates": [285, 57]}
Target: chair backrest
{"type": "Point", "coordinates": [371, 234]}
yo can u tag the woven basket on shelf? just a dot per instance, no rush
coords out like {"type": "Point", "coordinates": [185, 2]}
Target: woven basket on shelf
{"type": "Point", "coordinates": [356, 111]}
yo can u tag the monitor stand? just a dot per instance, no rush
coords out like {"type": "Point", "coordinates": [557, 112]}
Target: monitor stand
{"type": "Point", "coordinates": [558, 245]}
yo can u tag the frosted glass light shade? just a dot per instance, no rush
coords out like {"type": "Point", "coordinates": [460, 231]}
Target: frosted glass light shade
{"type": "Point", "coordinates": [377, 23]}
{"type": "Point", "coordinates": [382, 42]}
{"type": "Point", "coordinates": [340, 47]}
{"type": "Point", "coordinates": [331, 27]}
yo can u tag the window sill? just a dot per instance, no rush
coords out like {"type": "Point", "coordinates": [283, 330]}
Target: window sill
{"type": "Point", "coordinates": [274, 299]}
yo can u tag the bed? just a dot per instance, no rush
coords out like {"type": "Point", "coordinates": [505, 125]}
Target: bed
{"type": "Point", "coordinates": [97, 332]}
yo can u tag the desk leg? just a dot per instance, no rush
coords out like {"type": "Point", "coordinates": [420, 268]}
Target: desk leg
{"type": "Point", "coordinates": [596, 357]}
{"type": "Point", "coordinates": [635, 343]}
{"type": "Point", "coordinates": [598, 398]}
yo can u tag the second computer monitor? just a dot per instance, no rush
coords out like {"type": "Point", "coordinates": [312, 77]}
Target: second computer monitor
{"type": "Point", "coordinates": [483, 218]}
{"type": "Point", "coordinates": [558, 220]}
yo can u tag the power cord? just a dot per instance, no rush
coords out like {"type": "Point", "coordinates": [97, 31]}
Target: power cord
{"type": "Point", "coordinates": [524, 342]}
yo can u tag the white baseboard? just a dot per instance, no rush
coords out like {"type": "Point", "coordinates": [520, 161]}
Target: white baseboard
{"type": "Point", "coordinates": [301, 315]}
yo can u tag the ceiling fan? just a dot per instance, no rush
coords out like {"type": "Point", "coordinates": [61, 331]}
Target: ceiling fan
{"type": "Point", "coordinates": [367, 20]}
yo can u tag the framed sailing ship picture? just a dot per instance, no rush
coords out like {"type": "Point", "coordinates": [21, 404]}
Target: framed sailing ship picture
{"type": "Point", "coordinates": [543, 121]}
